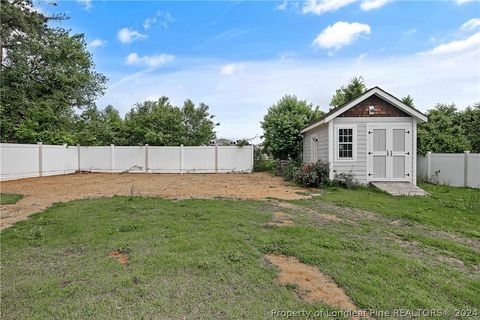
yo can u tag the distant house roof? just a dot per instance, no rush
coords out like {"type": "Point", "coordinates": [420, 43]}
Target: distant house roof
{"type": "Point", "coordinates": [370, 92]}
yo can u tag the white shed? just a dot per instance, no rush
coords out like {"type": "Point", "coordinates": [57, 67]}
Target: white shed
{"type": "Point", "coordinates": [374, 137]}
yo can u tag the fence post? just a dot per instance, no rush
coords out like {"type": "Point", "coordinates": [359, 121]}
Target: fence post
{"type": "Point", "coordinates": [181, 158]}
{"type": "Point", "coordinates": [216, 157]}
{"type": "Point", "coordinates": [253, 157]}
{"type": "Point", "coordinates": [146, 158]}
{"type": "Point", "coordinates": [40, 164]}
{"type": "Point", "coordinates": [429, 153]}
{"type": "Point", "coordinates": [112, 157]}
{"type": "Point", "coordinates": [465, 174]}
{"type": "Point", "coordinates": [64, 158]}
{"type": "Point", "coordinates": [78, 157]}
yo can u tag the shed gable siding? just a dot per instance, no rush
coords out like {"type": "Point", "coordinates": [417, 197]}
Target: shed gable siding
{"type": "Point", "coordinates": [382, 109]}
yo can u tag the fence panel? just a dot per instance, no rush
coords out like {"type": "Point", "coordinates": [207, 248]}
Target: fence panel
{"type": "Point", "coordinates": [455, 169]}
{"type": "Point", "coordinates": [18, 161]}
{"type": "Point", "coordinates": [235, 159]}
{"type": "Point", "coordinates": [22, 160]}
{"type": "Point", "coordinates": [96, 159]}
{"type": "Point", "coordinates": [128, 158]}
{"type": "Point", "coordinates": [164, 159]}
{"type": "Point", "coordinates": [474, 170]}
{"type": "Point", "coordinates": [53, 160]}
{"type": "Point", "coordinates": [198, 159]}
{"type": "Point", "coordinates": [71, 159]}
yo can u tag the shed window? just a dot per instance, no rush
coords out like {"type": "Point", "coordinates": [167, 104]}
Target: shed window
{"type": "Point", "coordinates": [345, 143]}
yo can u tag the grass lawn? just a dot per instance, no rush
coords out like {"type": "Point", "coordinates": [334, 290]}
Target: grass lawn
{"type": "Point", "coordinates": [7, 198]}
{"type": "Point", "coordinates": [203, 259]}
{"type": "Point", "coordinates": [447, 208]}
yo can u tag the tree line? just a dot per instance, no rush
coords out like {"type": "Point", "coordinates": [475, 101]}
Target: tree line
{"type": "Point", "coordinates": [48, 88]}
{"type": "Point", "coordinates": [448, 129]}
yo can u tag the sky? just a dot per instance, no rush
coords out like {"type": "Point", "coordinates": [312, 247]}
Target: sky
{"type": "Point", "coordinates": [241, 57]}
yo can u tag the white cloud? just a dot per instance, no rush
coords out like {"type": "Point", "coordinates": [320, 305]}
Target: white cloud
{"type": "Point", "coordinates": [340, 34]}
{"type": "Point", "coordinates": [149, 22]}
{"type": "Point", "coordinates": [97, 43]}
{"type": "Point", "coordinates": [241, 101]}
{"type": "Point", "coordinates": [410, 32]}
{"type": "Point", "coordinates": [165, 19]}
{"type": "Point", "coordinates": [230, 69]}
{"type": "Point", "coordinates": [368, 5]}
{"type": "Point", "coordinates": [470, 25]}
{"type": "Point", "coordinates": [471, 43]}
{"type": "Point", "coordinates": [282, 6]}
{"type": "Point", "coordinates": [126, 35]}
{"type": "Point", "coordinates": [86, 4]}
{"type": "Point", "coordinates": [150, 61]}
{"type": "Point", "coordinates": [322, 6]}
{"type": "Point", "coordinates": [463, 1]}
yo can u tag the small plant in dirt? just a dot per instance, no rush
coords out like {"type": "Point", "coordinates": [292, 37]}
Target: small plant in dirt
{"type": "Point", "coordinates": [291, 286]}
{"type": "Point", "coordinates": [128, 228]}
{"type": "Point", "coordinates": [133, 192]}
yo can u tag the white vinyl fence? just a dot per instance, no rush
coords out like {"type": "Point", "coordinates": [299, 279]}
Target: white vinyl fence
{"type": "Point", "coordinates": [36, 160]}
{"type": "Point", "coordinates": [455, 169]}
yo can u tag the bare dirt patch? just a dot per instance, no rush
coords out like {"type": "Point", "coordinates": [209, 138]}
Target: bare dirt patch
{"type": "Point", "coordinates": [313, 286]}
{"type": "Point", "coordinates": [326, 217]}
{"type": "Point", "coordinates": [121, 257]}
{"type": "Point", "coordinates": [280, 219]}
{"type": "Point", "coordinates": [41, 193]}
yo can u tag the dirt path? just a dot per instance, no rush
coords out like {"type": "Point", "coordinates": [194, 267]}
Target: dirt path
{"type": "Point", "coordinates": [41, 193]}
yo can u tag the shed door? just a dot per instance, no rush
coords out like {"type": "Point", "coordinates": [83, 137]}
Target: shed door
{"type": "Point", "coordinates": [389, 155]}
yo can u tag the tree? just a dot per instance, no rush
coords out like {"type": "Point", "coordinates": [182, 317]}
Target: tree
{"type": "Point", "coordinates": [199, 126]}
{"type": "Point", "coordinates": [354, 88]}
{"type": "Point", "coordinates": [470, 121]}
{"type": "Point", "coordinates": [282, 124]}
{"type": "Point", "coordinates": [160, 123]}
{"type": "Point", "coordinates": [45, 76]}
{"type": "Point", "coordinates": [99, 127]}
{"type": "Point", "coordinates": [443, 132]}
{"type": "Point", "coordinates": [408, 101]}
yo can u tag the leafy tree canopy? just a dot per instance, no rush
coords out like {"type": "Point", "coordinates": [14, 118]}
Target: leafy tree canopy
{"type": "Point", "coordinates": [354, 88]}
{"type": "Point", "coordinates": [408, 101]}
{"type": "Point", "coordinates": [282, 124]}
{"type": "Point", "coordinates": [443, 132]}
{"type": "Point", "coordinates": [45, 76]}
{"type": "Point", "coordinates": [160, 123]}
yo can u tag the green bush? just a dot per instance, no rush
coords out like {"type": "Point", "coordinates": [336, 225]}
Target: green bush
{"type": "Point", "coordinates": [291, 170]}
{"type": "Point", "coordinates": [268, 165]}
{"type": "Point", "coordinates": [313, 174]}
{"type": "Point", "coordinates": [345, 180]}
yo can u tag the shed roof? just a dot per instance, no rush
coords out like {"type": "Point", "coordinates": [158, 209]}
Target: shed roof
{"type": "Point", "coordinates": [370, 92]}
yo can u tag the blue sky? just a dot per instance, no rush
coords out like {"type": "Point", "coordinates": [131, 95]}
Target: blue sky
{"type": "Point", "coordinates": [241, 57]}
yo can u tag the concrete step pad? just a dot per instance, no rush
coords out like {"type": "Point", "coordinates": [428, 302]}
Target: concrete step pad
{"type": "Point", "coordinates": [400, 188]}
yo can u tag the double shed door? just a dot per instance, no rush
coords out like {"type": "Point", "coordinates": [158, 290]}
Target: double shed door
{"type": "Point", "coordinates": [389, 152]}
